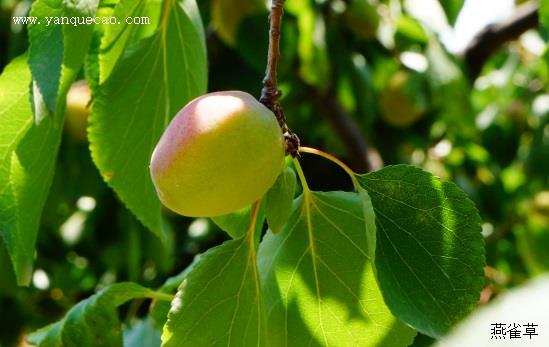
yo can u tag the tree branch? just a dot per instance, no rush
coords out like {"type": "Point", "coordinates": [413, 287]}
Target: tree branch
{"type": "Point", "coordinates": [494, 36]}
{"type": "Point", "coordinates": [270, 94]}
{"type": "Point", "coordinates": [363, 159]}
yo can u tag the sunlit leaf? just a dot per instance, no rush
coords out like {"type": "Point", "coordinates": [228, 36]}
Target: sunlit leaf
{"type": "Point", "coordinates": [27, 156]}
{"type": "Point", "coordinates": [65, 47]}
{"type": "Point", "coordinates": [318, 282]}
{"type": "Point", "coordinates": [145, 90]}
{"type": "Point", "coordinates": [219, 302]}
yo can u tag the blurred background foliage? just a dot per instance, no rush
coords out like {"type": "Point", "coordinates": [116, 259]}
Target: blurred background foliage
{"type": "Point", "coordinates": [374, 82]}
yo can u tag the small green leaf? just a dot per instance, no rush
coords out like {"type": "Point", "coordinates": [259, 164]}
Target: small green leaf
{"type": "Point", "coordinates": [236, 223]}
{"type": "Point", "coordinates": [524, 305]}
{"type": "Point", "coordinates": [64, 45]}
{"type": "Point", "coordinates": [429, 251]}
{"type": "Point", "coordinates": [142, 334]}
{"type": "Point", "coordinates": [219, 302]}
{"type": "Point", "coordinates": [149, 85]}
{"type": "Point", "coordinates": [318, 283]}
{"type": "Point", "coordinates": [92, 322]}
{"type": "Point", "coordinates": [27, 157]}
{"type": "Point", "coordinates": [452, 9]}
{"type": "Point", "coordinates": [279, 200]}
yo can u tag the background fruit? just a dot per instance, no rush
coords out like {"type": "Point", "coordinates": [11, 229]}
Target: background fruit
{"type": "Point", "coordinates": [402, 102]}
{"type": "Point", "coordinates": [77, 111]}
{"type": "Point", "coordinates": [362, 19]}
{"type": "Point", "coordinates": [220, 153]}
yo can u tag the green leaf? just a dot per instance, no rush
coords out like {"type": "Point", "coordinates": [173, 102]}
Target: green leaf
{"type": "Point", "coordinates": [219, 302]}
{"type": "Point", "coordinates": [279, 200]}
{"type": "Point", "coordinates": [159, 309]}
{"type": "Point", "coordinates": [149, 85]}
{"type": "Point", "coordinates": [142, 334]}
{"type": "Point", "coordinates": [429, 251]}
{"type": "Point", "coordinates": [92, 322]}
{"type": "Point", "coordinates": [544, 19]}
{"type": "Point", "coordinates": [452, 9]}
{"type": "Point", "coordinates": [236, 223]}
{"type": "Point", "coordinates": [314, 65]}
{"type": "Point", "coordinates": [65, 47]}
{"type": "Point", "coordinates": [8, 284]}
{"type": "Point", "coordinates": [27, 156]}
{"type": "Point", "coordinates": [119, 36]}
{"type": "Point", "coordinates": [227, 16]}
{"type": "Point", "coordinates": [318, 283]}
{"type": "Point", "coordinates": [527, 304]}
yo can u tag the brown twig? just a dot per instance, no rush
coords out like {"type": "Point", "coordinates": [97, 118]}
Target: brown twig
{"type": "Point", "coordinates": [270, 94]}
{"type": "Point", "coordinates": [494, 36]}
{"type": "Point", "coordinates": [363, 159]}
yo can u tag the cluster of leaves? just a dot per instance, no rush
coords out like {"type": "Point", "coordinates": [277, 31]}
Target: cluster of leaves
{"type": "Point", "coordinates": [324, 273]}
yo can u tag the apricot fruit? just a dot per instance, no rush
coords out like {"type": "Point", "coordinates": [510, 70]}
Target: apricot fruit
{"type": "Point", "coordinates": [220, 153]}
{"type": "Point", "coordinates": [403, 101]}
{"type": "Point", "coordinates": [77, 111]}
{"type": "Point", "coordinates": [362, 19]}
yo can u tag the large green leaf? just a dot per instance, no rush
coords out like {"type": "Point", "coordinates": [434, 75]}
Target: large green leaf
{"type": "Point", "coordinates": [219, 302]}
{"type": "Point", "coordinates": [518, 310]}
{"type": "Point", "coordinates": [318, 283]}
{"type": "Point", "coordinates": [27, 155]}
{"type": "Point", "coordinates": [57, 52]}
{"type": "Point", "coordinates": [429, 251]}
{"type": "Point", "coordinates": [149, 85]}
{"type": "Point", "coordinates": [92, 322]}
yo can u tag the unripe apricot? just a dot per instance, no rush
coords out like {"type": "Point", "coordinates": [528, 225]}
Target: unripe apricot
{"type": "Point", "coordinates": [220, 153]}
{"type": "Point", "coordinates": [402, 102]}
{"type": "Point", "coordinates": [77, 111]}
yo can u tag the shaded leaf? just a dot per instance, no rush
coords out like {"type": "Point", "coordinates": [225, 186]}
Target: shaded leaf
{"type": "Point", "coordinates": [279, 200]}
{"type": "Point", "coordinates": [318, 282]}
{"type": "Point", "coordinates": [27, 156]}
{"type": "Point", "coordinates": [237, 223]}
{"type": "Point", "coordinates": [142, 334]}
{"type": "Point", "coordinates": [145, 90]}
{"type": "Point", "coordinates": [219, 302]}
{"type": "Point", "coordinates": [314, 67]}
{"type": "Point", "coordinates": [92, 322]}
{"type": "Point", "coordinates": [227, 16]}
{"type": "Point", "coordinates": [429, 251]}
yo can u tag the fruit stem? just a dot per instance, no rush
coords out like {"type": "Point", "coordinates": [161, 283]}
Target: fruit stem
{"type": "Point", "coordinates": [333, 159]}
{"type": "Point", "coordinates": [270, 94]}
